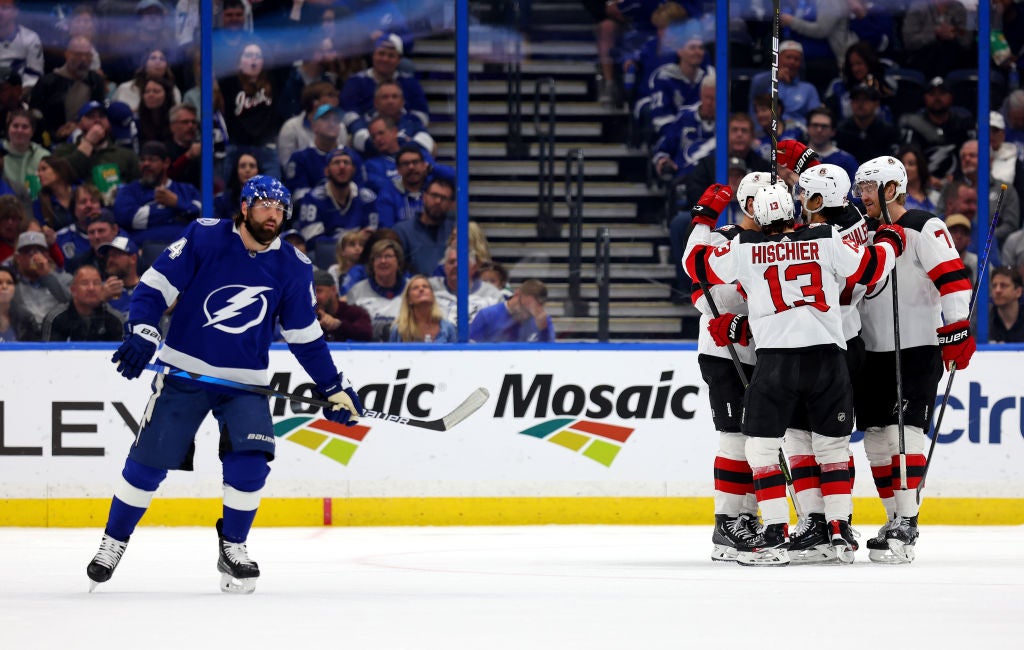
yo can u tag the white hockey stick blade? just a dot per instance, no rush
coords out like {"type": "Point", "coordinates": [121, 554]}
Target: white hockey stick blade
{"type": "Point", "coordinates": [469, 406]}
{"type": "Point", "coordinates": [476, 399]}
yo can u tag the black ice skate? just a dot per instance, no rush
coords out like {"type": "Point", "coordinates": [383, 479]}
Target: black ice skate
{"type": "Point", "coordinates": [902, 538]}
{"type": "Point", "coordinates": [810, 543]}
{"type": "Point", "coordinates": [878, 548]}
{"type": "Point", "coordinates": [105, 561]}
{"type": "Point", "coordinates": [767, 548]}
{"type": "Point", "coordinates": [730, 531]}
{"type": "Point", "coordinates": [237, 572]}
{"type": "Point", "coordinates": [843, 539]}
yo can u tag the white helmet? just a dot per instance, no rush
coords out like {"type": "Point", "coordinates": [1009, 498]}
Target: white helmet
{"type": "Point", "coordinates": [830, 181]}
{"type": "Point", "coordinates": [882, 170]}
{"type": "Point", "coordinates": [773, 204]}
{"type": "Point", "coordinates": [749, 186]}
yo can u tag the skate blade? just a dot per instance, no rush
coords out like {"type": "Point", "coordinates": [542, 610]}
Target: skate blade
{"type": "Point", "coordinates": [232, 585]}
{"type": "Point", "coordinates": [844, 554]}
{"type": "Point", "coordinates": [769, 557]}
{"type": "Point", "coordinates": [723, 553]}
{"type": "Point", "coordinates": [815, 555]}
{"type": "Point", "coordinates": [903, 552]}
{"type": "Point", "coordinates": [884, 557]}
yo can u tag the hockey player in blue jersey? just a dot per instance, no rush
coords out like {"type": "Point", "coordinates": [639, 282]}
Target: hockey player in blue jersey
{"type": "Point", "coordinates": [232, 282]}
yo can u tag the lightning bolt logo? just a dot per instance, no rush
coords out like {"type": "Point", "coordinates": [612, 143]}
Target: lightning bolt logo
{"type": "Point", "coordinates": [242, 297]}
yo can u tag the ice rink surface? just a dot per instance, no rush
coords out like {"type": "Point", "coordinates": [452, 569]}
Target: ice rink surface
{"type": "Point", "coordinates": [524, 588]}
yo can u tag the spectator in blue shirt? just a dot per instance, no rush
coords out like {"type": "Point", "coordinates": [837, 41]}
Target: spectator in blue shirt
{"type": "Point", "coordinates": [425, 238]}
{"type": "Point", "coordinates": [155, 208]}
{"type": "Point", "coordinates": [521, 318]}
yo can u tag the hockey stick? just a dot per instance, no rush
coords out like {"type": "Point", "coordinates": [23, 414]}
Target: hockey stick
{"type": "Point", "coordinates": [982, 267]}
{"type": "Point", "coordinates": [776, 28]}
{"type": "Point", "coordinates": [705, 287]}
{"type": "Point", "coordinates": [884, 209]}
{"type": "Point", "coordinates": [468, 406]}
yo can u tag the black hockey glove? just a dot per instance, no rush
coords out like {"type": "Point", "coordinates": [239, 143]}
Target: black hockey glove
{"type": "Point", "coordinates": [140, 342]}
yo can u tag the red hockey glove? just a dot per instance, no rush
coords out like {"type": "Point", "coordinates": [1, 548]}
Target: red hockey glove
{"type": "Point", "coordinates": [710, 205]}
{"type": "Point", "coordinates": [796, 156]}
{"type": "Point", "coordinates": [957, 344]}
{"type": "Point", "coordinates": [893, 234]}
{"type": "Point", "coordinates": [730, 328]}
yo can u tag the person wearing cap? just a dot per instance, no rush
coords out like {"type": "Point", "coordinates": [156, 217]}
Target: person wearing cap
{"type": "Point", "coordinates": [249, 112]}
{"type": "Point", "coordinates": [94, 156]}
{"type": "Point", "coordinates": [688, 138]}
{"type": "Point", "coordinates": [939, 128]}
{"type": "Point", "coordinates": [339, 320]}
{"type": "Point", "coordinates": [388, 101]}
{"type": "Point", "coordinates": [155, 208]}
{"type": "Point", "coordinates": [1003, 160]}
{"type": "Point", "coordinates": [339, 202]}
{"type": "Point", "coordinates": [50, 96]}
{"type": "Point", "coordinates": [86, 317]}
{"type": "Point", "coordinates": [84, 203]}
{"type": "Point", "coordinates": [22, 49]}
{"type": "Point", "coordinates": [357, 94]}
{"type": "Point", "coordinates": [297, 131]}
{"type": "Point", "coordinates": [151, 27]}
{"type": "Point", "coordinates": [865, 134]}
{"type": "Point", "coordinates": [402, 198]}
{"type": "Point", "coordinates": [100, 230]}
{"type": "Point", "coordinates": [678, 84]}
{"type": "Point", "coordinates": [522, 318]}
{"type": "Point", "coordinates": [305, 168]}
{"type": "Point", "coordinates": [799, 96]}
{"type": "Point", "coordinates": [41, 287]}
{"type": "Point", "coordinates": [1009, 212]}
{"type": "Point", "coordinates": [959, 227]}
{"type": "Point", "coordinates": [122, 270]}
{"type": "Point", "coordinates": [936, 37]}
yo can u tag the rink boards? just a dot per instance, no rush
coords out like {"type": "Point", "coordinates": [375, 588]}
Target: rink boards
{"type": "Point", "coordinates": [568, 435]}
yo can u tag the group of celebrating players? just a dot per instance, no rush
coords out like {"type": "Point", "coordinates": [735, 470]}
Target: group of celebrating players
{"type": "Point", "coordinates": [816, 302]}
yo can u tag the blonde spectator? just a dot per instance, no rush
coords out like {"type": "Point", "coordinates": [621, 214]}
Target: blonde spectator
{"type": "Point", "coordinates": [419, 317]}
{"type": "Point", "coordinates": [347, 270]}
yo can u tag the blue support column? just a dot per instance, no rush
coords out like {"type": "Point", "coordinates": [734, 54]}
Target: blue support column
{"type": "Point", "coordinates": [462, 159]}
{"type": "Point", "coordinates": [984, 166]}
{"type": "Point", "coordinates": [206, 103]}
{"type": "Point", "coordinates": [721, 92]}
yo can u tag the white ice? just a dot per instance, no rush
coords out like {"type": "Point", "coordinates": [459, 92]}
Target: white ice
{"type": "Point", "coordinates": [523, 588]}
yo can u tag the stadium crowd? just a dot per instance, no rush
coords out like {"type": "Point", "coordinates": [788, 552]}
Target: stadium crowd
{"type": "Point", "coordinates": [100, 108]}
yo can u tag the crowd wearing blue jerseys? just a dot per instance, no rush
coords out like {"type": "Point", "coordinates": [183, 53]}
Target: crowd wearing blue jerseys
{"type": "Point", "coordinates": [101, 108]}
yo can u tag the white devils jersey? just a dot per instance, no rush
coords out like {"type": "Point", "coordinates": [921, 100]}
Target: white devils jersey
{"type": "Point", "coordinates": [793, 281]}
{"type": "Point", "coordinates": [852, 228]}
{"type": "Point", "coordinates": [729, 299]}
{"type": "Point", "coordinates": [933, 284]}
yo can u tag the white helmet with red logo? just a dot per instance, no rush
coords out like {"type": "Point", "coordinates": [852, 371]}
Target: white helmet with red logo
{"type": "Point", "coordinates": [749, 186]}
{"type": "Point", "coordinates": [773, 204]}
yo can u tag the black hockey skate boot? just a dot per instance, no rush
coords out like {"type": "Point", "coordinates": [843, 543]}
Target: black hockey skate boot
{"type": "Point", "coordinates": [810, 543]}
{"type": "Point", "coordinates": [105, 561]}
{"type": "Point", "coordinates": [878, 548]}
{"type": "Point", "coordinates": [902, 538]}
{"type": "Point", "coordinates": [730, 531]}
{"type": "Point", "coordinates": [238, 572]}
{"type": "Point", "coordinates": [843, 539]}
{"type": "Point", "coordinates": [767, 548]}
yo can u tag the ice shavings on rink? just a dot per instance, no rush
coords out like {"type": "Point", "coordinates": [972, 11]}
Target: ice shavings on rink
{"type": "Point", "coordinates": [564, 587]}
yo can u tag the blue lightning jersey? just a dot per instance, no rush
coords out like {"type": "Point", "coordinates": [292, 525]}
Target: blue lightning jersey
{"type": "Point", "coordinates": [228, 304]}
